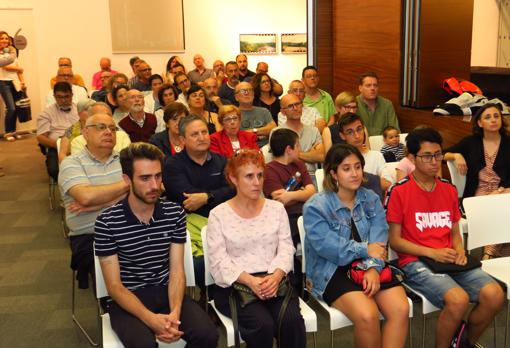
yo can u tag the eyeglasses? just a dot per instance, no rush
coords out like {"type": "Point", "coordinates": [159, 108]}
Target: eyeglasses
{"type": "Point", "coordinates": [245, 91]}
{"type": "Point", "coordinates": [293, 106]}
{"type": "Point", "coordinates": [297, 90]}
{"type": "Point", "coordinates": [350, 132]}
{"type": "Point", "coordinates": [101, 127]}
{"type": "Point", "coordinates": [231, 119]}
{"type": "Point", "coordinates": [427, 158]}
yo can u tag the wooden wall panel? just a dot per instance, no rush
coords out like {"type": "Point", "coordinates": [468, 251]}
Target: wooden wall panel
{"type": "Point", "coordinates": [323, 19]}
{"type": "Point", "coordinates": [366, 37]}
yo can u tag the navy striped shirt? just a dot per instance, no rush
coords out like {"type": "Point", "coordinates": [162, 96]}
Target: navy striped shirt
{"type": "Point", "coordinates": [143, 249]}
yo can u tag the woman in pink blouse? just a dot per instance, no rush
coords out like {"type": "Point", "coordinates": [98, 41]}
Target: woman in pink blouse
{"type": "Point", "coordinates": [250, 234]}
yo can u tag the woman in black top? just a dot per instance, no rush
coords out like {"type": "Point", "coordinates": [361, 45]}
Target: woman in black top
{"type": "Point", "coordinates": [196, 103]}
{"type": "Point", "coordinates": [264, 96]}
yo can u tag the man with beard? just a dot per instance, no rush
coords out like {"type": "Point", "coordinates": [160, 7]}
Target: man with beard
{"type": "Point", "coordinates": [138, 124]}
{"type": "Point", "coordinates": [148, 298]}
{"type": "Point", "coordinates": [90, 181]}
{"type": "Point", "coordinates": [214, 102]}
{"type": "Point", "coordinates": [228, 89]}
{"type": "Point", "coordinates": [244, 73]}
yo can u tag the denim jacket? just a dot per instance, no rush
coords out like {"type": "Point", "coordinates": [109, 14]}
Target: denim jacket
{"type": "Point", "coordinates": [328, 242]}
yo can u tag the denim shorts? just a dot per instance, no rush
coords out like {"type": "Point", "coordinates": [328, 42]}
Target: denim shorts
{"type": "Point", "coordinates": [435, 285]}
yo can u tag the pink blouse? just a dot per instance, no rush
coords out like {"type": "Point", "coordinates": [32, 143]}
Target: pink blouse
{"type": "Point", "coordinates": [259, 244]}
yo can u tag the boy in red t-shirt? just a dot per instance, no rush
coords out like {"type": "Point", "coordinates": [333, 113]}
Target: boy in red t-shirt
{"type": "Point", "coordinates": [423, 215]}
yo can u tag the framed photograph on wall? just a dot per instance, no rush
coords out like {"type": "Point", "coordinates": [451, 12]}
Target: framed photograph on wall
{"type": "Point", "coordinates": [293, 43]}
{"type": "Point", "coordinates": [257, 43]}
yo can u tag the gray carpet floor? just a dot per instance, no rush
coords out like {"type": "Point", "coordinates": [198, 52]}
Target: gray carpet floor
{"type": "Point", "coordinates": [35, 278]}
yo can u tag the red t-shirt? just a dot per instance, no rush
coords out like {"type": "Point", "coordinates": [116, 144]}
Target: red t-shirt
{"type": "Point", "coordinates": [276, 176]}
{"type": "Point", "coordinates": [426, 218]}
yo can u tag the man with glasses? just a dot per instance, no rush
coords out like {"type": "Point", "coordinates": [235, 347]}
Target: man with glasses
{"type": "Point", "coordinates": [227, 89]}
{"type": "Point", "coordinates": [423, 214]}
{"type": "Point", "coordinates": [65, 74]}
{"type": "Point", "coordinates": [377, 112]}
{"type": "Point", "coordinates": [183, 84]}
{"type": "Point", "coordinates": [90, 181]}
{"type": "Point", "coordinates": [52, 123]}
{"type": "Point", "coordinates": [311, 148]}
{"type": "Point", "coordinates": [138, 124]}
{"type": "Point", "coordinates": [253, 118]}
{"type": "Point", "coordinates": [141, 80]}
{"type": "Point", "coordinates": [316, 97]}
{"type": "Point", "coordinates": [310, 116]}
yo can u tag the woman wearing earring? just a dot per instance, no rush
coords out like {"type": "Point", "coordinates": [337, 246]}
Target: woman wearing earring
{"type": "Point", "coordinates": [344, 223]}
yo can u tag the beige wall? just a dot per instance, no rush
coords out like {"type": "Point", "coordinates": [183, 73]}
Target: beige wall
{"type": "Point", "coordinates": [81, 30]}
{"type": "Point", "coordinates": [485, 33]}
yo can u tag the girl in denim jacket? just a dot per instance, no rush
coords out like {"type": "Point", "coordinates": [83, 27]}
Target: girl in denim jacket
{"type": "Point", "coordinates": [344, 223]}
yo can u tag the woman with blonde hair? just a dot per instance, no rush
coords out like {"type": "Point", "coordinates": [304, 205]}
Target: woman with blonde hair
{"type": "Point", "coordinates": [231, 138]}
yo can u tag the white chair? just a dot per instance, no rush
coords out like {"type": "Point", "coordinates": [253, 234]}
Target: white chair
{"type": "Point", "coordinates": [268, 156]}
{"type": "Point", "coordinates": [488, 224]}
{"type": "Point", "coordinates": [460, 183]}
{"type": "Point", "coordinates": [389, 172]}
{"type": "Point", "coordinates": [337, 319]}
{"type": "Point", "coordinates": [319, 176]}
{"type": "Point", "coordinates": [309, 316]}
{"type": "Point", "coordinates": [109, 338]}
{"type": "Point", "coordinates": [377, 141]}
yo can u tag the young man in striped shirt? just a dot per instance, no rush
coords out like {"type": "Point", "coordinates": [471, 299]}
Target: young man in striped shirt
{"type": "Point", "coordinates": [140, 244]}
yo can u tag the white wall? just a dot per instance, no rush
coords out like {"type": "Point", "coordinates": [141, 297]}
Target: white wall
{"type": "Point", "coordinates": [81, 30]}
{"type": "Point", "coordinates": [484, 47]}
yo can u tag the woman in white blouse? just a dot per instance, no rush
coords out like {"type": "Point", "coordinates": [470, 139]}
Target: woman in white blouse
{"type": "Point", "coordinates": [250, 234]}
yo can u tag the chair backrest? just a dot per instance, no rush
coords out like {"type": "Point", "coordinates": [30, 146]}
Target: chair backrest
{"type": "Point", "coordinates": [268, 156]}
{"type": "Point", "coordinates": [189, 271]}
{"type": "Point", "coordinates": [389, 172]}
{"type": "Point", "coordinates": [377, 141]}
{"type": "Point", "coordinates": [301, 229]}
{"type": "Point", "coordinates": [487, 220]}
{"type": "Point", "coordinates": [209, 280]}
{"type": "Point", "coordinates": [457, 179]}
{"type": "Point", "coordinates": [319, 176]}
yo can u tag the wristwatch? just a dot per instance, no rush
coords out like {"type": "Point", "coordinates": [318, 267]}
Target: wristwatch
{"type": "Point", "coordinates": [210, 197]}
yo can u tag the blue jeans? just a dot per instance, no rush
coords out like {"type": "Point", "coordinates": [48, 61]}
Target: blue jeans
{"type": "Point", "coordinates": [8, 92]}
{"type": "Point", "coordinates": [435, 285]}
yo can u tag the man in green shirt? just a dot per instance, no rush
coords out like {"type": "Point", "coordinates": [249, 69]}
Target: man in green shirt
{"type": "Point", "coordinates": [316, 97]}
{"type": "Point", "coordinates": [377, 112]}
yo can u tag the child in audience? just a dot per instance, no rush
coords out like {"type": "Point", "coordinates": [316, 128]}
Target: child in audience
{"type": "Point", "coordinates": [392, 150]}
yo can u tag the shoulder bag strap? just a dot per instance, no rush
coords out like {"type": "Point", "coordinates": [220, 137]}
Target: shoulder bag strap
{"type": "Point", "coordinates": [283, 308]}
{"type": "Point", "coordinates": [233, 313]}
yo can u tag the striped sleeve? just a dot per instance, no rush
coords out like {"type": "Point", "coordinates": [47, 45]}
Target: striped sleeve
{"type": "Point", "coordinates": [105, 244]}
{"type": "Point", "coordinates": [71, 173]}
{"type": "Point", "coordinates": [174, 211]}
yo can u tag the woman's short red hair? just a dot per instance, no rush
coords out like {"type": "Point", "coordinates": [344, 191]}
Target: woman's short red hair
{"type": "Point", "coordinates": [240, 158]}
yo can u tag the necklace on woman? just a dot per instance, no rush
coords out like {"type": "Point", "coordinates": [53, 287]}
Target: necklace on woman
{"type": "Point", "coordinates": [423, 186]}
{"type": "Point", "coordinates": [177, 147]}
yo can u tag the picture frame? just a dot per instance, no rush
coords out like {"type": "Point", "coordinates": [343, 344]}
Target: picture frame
{"type": "Point", "coordinates": [260, 44]}
{"type": "Point", "coordinates": [293, 43]}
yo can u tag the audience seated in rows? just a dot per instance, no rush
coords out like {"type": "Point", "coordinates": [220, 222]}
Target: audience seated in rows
{"type": "Point", "coordinates": [183, 83]}
{"type": "Point", "coordinates": [423, 214]}
{"type": "Point", "coordinates": [167, 94]}
{"type": "Point", "coordinates": [242, 63]}
{"type": "Point", "coordinates": [141, 79]}
{"type": "Point", "coordinates": [255, 119]}
{"type": "Point", "coordinates": [376, 112]}
{"type": "Point", "coordinates": [105, 94]}
{"type": "Point", "coordinates": [214, 102]}
{"type": "Point", "coordinates": [263, 68]}
{"type": "Point", "coordinates": [148, 298]}
{"type": "Point", "coordinates": [228, 88]}
{"type": "Point", "coordinates": [264, 96]}
{"type": "Point", "coordinates": [151, 102]}
{"type": "Point", "coordinates": [120, 95]}
{"type": "Point", "coordinates": [90, 181]}
{"type": "Point", "coordinates": [200, 73]}
{"type": "Point", "coordinates": [231, 138]}
{"type": "Point", "coordinates": [53, 122]}
{"type": "Point", "coordinates": [197, 106]}
{"type": "Point", "coordinates": [99, 78]}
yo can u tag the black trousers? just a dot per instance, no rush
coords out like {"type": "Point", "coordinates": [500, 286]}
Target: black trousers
{"type": "Point", "coordinates": [52, 163]}
{"type": "Point", "coordinates": [258, 321]}
{"type": "Point", "coordinates": [199, 331]}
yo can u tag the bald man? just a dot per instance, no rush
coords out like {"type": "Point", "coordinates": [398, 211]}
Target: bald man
{"type": "Point", "coordinates": [253, 118]}
{"type": "Point", "coordinates": [200, 73]}
{"type": "Point", "coordinates": [65, 62]}
{"type": "Point", "coordinates": [89, 182]}
{"type": "Point", "coordinates": [106, 66]}
{"type": "Point", "coordinates": [65, 74]}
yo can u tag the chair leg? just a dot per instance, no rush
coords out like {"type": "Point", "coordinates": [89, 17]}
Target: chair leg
{"type": "Point", "coordinates": [411, 332]}
{"type": "Point", "coordinates": [423, 329]}
{"type": "Point", "coordinates": [332, 339]}
{"type": "Point", "coordinates": [51, 193]}
{"type": "Point", "coordinates": [506, 323]}
{"type": "Point", "coordinates": [494, 331]}
{"type": "Point", "coordinates": [75, 319]}
{"type": "Point", "coordinates": [314, 340]}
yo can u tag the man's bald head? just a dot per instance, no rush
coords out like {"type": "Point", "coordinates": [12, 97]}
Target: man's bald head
{"type": "Point", "coordinates": [99, 108]}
